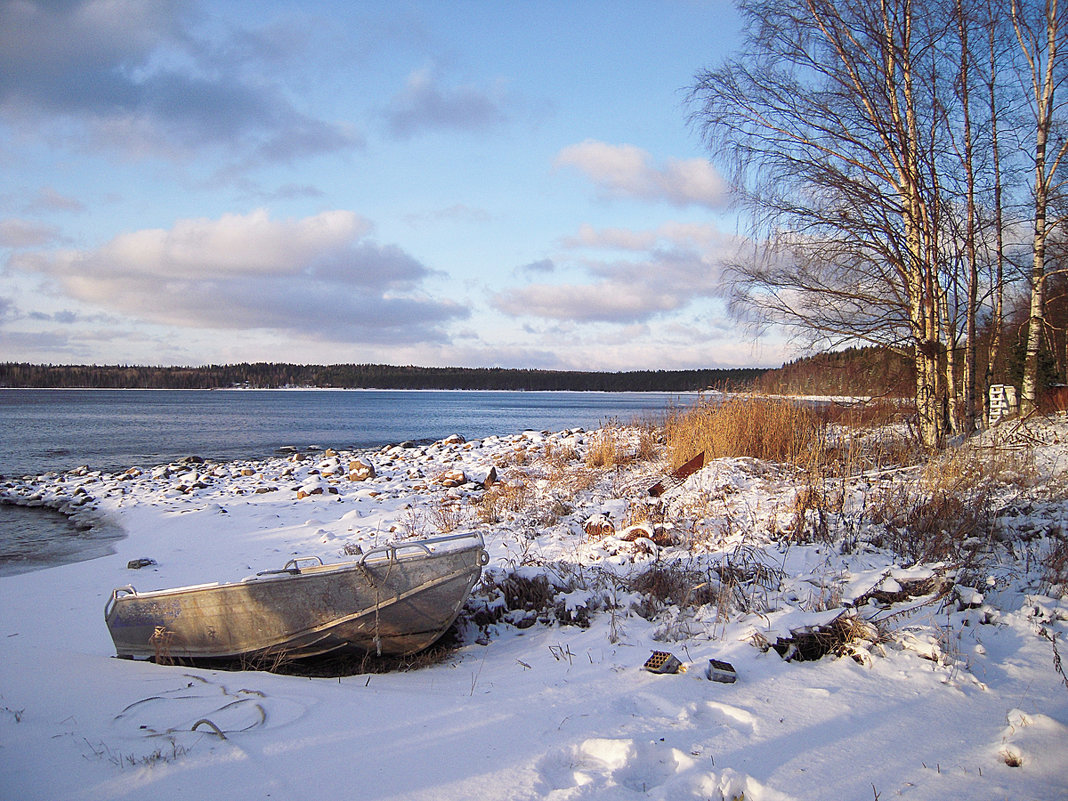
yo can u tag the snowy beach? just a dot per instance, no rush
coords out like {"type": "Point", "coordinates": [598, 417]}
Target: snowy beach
{"type": "Point", "coordinates": [946, 688]}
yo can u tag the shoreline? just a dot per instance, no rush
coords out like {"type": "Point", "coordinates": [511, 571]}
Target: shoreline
{"type": "Point", "coordinates": [566, 625]}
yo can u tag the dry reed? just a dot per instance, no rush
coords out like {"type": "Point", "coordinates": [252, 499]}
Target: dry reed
{"type": "Point", "coordinates": [749, 425]}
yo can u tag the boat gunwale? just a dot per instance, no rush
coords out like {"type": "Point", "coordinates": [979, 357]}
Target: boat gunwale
{"type": "Point", "coordinates": [386, 554]}
{"type": "Point", "coordinates": [467, 559]}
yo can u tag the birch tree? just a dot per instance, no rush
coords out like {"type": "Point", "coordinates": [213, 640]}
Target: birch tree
{"type": "Point", "coordinates": [994, 52]}
{"type": "Point", "coordinates": [825, 125]}
{"type": "Point", "coordinates": [1040, 31]}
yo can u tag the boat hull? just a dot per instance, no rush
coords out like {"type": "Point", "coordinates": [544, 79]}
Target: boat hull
{"type": "Point", "coordinates": [395, 600]}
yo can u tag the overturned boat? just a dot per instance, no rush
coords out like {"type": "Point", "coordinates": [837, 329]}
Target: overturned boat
{"type": "Point", "coordinates": [395, 600]}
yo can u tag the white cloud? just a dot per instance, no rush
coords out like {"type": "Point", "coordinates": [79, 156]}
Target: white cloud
{"type": "Point", "coordinates": [627, 291]}
{"type": "Point", "coordinates": [603, 301]}
{"type": "Point", "coordinates": [235, 244]}
{"type": "Point", "coordinates": [628, 171]}
{"type": "Point", "coordinates": [48, 199]}
{"type": "Point", "coordinates": [18, 233]}
{"type": "Point", "coordinates": [143, 79]}
{"type": "Point", "coordinates": [650, 274]}
{"type": "Point", "coordinates": [424, 104]}
{"type": "Point", "coordinates": [703, 236]}
{"type": "Point", "coordinates": [318, 276]}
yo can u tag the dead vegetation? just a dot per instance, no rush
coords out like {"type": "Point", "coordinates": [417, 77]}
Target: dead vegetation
{"type": "Point", "coordinates": [749, 425]}
{"type": "Point", "coordinates": [846, 635]}
{"type": "Point", "coordinates": [1055, 562]}
{"type": "Point", "coordinates": [614, 445]}
{"type": "Point", "coordinates": [847, 483]}
{"type": "Point", "coordinates": [855, 476]}
{"type": "Point", "coordinates": [948, 510]}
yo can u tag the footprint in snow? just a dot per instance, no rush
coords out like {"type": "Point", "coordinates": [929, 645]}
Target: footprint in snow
{"type": "Point", "coordinates": [599, 763]}
{"type": "Point", "coordinates": [610, 768]}
{"type": "Point", "coordinates": [713, 713]}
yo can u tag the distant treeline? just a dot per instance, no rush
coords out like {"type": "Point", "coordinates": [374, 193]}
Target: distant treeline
{"type": "Point", "coordinates": [263, 375]}
{"type": "Point", "coordinates": [853, 371]}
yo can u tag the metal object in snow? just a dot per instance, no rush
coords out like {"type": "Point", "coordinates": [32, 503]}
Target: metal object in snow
{"type": "Point", "coordinates": [396, 599]}
{"type": "Point", "coordinates": [678, 476]}
{"type": "Point", "coordinates": [662, 662]}
{"type": "Point", "coordinates": [721, 671]}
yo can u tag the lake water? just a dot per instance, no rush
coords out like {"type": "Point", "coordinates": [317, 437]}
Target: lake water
{"type": "Point", "coordinates": [32, 538]}
{"type": "Point", "coordinates": [44, 430]}
{"type": "Point", "coordinates": [112, 430]}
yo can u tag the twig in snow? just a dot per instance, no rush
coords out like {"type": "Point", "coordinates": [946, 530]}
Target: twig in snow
{"type": "Point", "coordinates": [1057, 664]}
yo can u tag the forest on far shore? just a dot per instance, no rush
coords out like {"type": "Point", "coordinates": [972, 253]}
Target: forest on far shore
{"type": "Point", "coordinates": [263, 375]}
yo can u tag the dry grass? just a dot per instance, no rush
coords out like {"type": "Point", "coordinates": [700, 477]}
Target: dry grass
{"type": "Point", "coordinates": [413, 522]}
{"type": "Point", "coordinates": [503, 497]}
{"type": "Point", "coordinates": [1055, 562]}
{"type": "Point", "coordinates": [872, 413]}
{"type": "Point", "coordinates": [750, 425]}
{"type": "Point", "coordinates": [948, 510]}
{"type": "Point", "coordinates": [447, 516]}
{"type": "Point", "coordinates": [649, 436]}
{"type": "Point", "coordinates": [607, 448]}
{"type": "Point", "coordinates": [742, 580]}
{"type": "Point", "coordinates": [560, 456]}
{"type": "Point", "coordinates": [615, 445]}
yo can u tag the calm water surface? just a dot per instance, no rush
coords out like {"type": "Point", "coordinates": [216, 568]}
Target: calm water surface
{"type": "Point", "coordinates": [46, 430]}
{"type": "Point", "coordinates": [111, 430]}
{"type": "Point", "coordinates": [31, 539]}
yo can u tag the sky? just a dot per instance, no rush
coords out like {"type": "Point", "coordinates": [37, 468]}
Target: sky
{"type": "Point", "coordinates": [478, 184]}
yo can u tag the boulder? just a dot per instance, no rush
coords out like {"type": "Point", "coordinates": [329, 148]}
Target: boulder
{"type": "Point", "coordinates": [661, 536]}
{"type": "Point", "coordinates": [360, 470]}
{"type": "Point", "coordinates": [312, 486]}
{"type": "Point", "coordinates": [452, 478]}
{"type": "Point", "coordinates": [597, 526]}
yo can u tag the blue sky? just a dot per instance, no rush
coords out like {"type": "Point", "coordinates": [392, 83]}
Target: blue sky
{"type": "Point", "coordinates": [432, 183]}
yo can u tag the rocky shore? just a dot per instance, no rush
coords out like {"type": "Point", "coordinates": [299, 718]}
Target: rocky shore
{"type": "Point", "coordinates": [857, 669]}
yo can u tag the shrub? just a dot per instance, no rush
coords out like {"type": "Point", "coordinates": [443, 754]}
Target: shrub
{"type": "Point", "coordinates": [501, 497]}
{"type": "Point", "coordinates": [1054, 561]}
{"type": "Point", "coordinates": [945, 511]}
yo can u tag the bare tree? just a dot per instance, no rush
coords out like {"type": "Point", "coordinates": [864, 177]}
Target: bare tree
{"type": "Point", "coordinates": [1041, 32]}
{"type": "Point", "coordinates": [997, 312]}
{"type": "Point", "coordinates": [970, 233]}
{"type": "Point", "coordinates": [828, 126]}
{"type": "Point", "coordinates": [854, 133]}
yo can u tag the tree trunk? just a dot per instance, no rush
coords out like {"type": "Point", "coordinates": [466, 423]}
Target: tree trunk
{"type": "Point", "coordinates": [1043, 87]}
{"type": "Point", "coordinates": [998, 313]}
{"type": "Point", "coordinates": [969, 226]}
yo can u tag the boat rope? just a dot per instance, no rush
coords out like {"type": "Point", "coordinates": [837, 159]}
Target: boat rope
{"type": "Point", "coordinates": [378, 600]}
{"type": "Point", "coordinates": [367, 574]}
{"type": "Point", "coordinates": [378, 636]}
{"type": "Point", "coordinates": [211, 725]}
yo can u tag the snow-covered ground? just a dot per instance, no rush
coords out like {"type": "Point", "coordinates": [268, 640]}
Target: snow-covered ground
{"type": "Point", "coordinates": [949, 693]}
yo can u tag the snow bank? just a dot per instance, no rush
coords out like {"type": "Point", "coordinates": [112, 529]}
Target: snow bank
{"type": "Point", "coordinates": [949, 694]}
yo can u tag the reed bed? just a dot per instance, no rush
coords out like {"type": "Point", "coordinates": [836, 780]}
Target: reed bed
{"type": "Point", "coordinates": [760, 427]}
